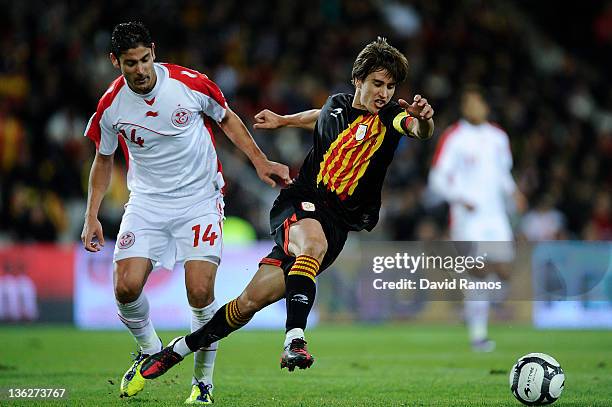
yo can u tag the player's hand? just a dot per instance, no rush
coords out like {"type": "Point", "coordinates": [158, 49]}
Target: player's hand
{"type": "Point", "coordinates": [272, 172]}
{"type": "Point", "coordinates": [92, 229]}
{"type": "Point", "coordinates": [419, 108]}
{"type": "Point", "coordinates": [470, 207]}
{"type": "Point", "coordinates": [267, 119]}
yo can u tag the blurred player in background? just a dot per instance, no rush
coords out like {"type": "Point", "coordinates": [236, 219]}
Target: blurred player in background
{"type": "Point", "coordinates": [338, 190]}
{"type": "Point", "coordinates": [472, 171]}
{"type": "Point", "coordinates": [161, 114]}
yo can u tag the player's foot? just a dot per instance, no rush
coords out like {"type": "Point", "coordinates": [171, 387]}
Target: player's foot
{"type": "Point", "coordinates": [200, 394]}
{"type": "Point", "coordinates": [132, 381]}
{"type": "Point", "coordinates": [296, 355]}
{"type": "Point", "coordinates": [159, 363]}
{"type": "Point", "coordinates": [483, 345]}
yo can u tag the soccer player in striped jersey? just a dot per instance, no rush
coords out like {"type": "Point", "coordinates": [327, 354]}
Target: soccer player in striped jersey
{"type": "Point", "coordinates": [161, 115]}
{"type": "Point", "coordinates": [338, 190]}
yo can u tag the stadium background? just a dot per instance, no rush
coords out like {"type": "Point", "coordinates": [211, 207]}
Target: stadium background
{"type": "Point", "coordinates": [541, 65]}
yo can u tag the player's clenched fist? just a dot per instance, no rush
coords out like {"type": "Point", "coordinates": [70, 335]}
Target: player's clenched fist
{"type": "Point", "coordinates": [267, 119]}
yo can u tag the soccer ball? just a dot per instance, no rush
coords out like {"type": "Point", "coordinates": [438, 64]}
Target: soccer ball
{"type": "Point", "coordinates": [537, 379]}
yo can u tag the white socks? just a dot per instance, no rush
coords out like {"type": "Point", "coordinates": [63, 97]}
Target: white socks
{"type": "Point", "coordinates": [293, 334]}
{"type": "Point", "coordinates": [180, 346]}
{"type": "Point", "coordinates": [135, 315]}
{"type": "Point", "coordinates": [203, 359]}
{"type": "Point", "coordinates": [477, 318]}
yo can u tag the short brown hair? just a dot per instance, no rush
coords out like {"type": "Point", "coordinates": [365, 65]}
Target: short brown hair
{"type": "Point", "coordinates": [379, 55]}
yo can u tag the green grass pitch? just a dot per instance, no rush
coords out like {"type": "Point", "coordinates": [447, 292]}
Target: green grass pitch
{"type": "Point", "coordinates": [356, 365]}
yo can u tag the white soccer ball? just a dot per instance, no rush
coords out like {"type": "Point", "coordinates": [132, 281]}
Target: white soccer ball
{"type": "Point", "coordinates": [537, 379]}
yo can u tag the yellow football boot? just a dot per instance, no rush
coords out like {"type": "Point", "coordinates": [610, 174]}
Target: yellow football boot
{"type": "Point", "coordinates": [132, 382]}
{"type": "Point", "coordinates": [200, 394]}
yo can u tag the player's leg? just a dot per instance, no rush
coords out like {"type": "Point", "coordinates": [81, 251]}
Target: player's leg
{"type": "Point", "coordinates": [129, 278]}
{"type": "Point", "coordinates": [200, 283]}
{"type": "Point", "coordinates": [197, 230]}
{"type": "Point", "coordinates": [475, 302]}
{"type": "Point", "coordinates": [142, 240]}
{"type": "Point", "coordinates": [476, 311]}
{"type": "Point", "coordinates": [476, 308]}
{"type": "Point", "coordinates": [308, 244]}
{"type": "Point", "coordinates": [478, 302]}
{"type": "Point", "coordinates": [266, 287]}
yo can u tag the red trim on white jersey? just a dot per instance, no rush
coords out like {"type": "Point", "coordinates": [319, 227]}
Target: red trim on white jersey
{"type": "Point", "coordinates": [93, 131]}
{"type": "Point", "coordinates": [196, 81]}
{"type": "Point", "coordinates": [443, 139]}
{"type": "Point", "coordinates": [496, 125]}
{"type": "Point", "coordinates": [145, 128]}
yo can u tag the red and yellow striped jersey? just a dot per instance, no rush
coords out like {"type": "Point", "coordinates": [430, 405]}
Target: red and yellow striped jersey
{"type": "Point", "coordinates": [348, 162]}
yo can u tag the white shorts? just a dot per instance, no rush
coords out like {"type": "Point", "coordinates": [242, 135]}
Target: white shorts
{"type": "Point", "coordinates": [167, 232]}
{"type": "Point", "coordinates": [492, 236]}
{"type": "Point", "coordinates": [496, 252]}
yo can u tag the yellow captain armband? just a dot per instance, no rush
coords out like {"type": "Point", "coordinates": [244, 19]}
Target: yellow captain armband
{"type": "Point", "coordinates": [406, 119]}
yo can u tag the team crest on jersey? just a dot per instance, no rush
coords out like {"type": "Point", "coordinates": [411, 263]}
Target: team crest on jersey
{"type": "Point", "coordinates": [308, 206]}
{"type": "Point", "coordinates": [126, 240]}
{"type": "Point", "coordinates": [361, 132]}
{"type": "Point", "coordinates": [181, 117]}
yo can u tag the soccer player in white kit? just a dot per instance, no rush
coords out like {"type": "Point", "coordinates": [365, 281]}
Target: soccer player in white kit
{"type": "Point", "coordinates": [161, 115]}
{"type": "Point", "coordinates": [472, 171]}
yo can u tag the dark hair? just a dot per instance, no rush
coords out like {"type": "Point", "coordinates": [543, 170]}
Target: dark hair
{"type": "Point", "coordinates": [129, 35]}
{"type": "Point", "coordinates": [472, 88]}
{"type": "Point", "coordinates": [379, 55]}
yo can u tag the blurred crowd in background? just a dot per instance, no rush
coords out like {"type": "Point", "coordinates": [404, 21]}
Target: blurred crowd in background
{"type": "Point", "coordinates": [547, 85]}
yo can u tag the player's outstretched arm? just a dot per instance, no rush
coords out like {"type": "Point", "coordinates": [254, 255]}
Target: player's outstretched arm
{"type": "Point", "coordinates": [267, 119]}
{"type": "Point", "coordinates": [423, 127]}
{"type": "Point", "coordinates": [99, 179]}
{"type": "Point", "coordinates": [268, 171]}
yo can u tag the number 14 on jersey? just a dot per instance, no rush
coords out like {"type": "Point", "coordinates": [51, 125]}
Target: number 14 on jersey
{"type": "Point", "coordinates": [206, 237]}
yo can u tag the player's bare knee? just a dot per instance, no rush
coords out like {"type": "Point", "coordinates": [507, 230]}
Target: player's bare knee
{"type": "Point", "coordinates": [201, 296]}
{"type": "Point", "coordinates": [315, 246]}
{"type": "Point", "coordinates": [126, 292]}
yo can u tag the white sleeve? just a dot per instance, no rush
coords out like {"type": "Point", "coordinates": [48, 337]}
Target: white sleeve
{"type": "Point", "coordinates": [108, 138]}
{"type": "Point", "coordinates": [443, 177]}
{"type": "Point", "coordinates": [101, 133]}
{"type": "Point", "coordinates": [212, 101]}
{"type": "Point", "coordinates": [212, 109]}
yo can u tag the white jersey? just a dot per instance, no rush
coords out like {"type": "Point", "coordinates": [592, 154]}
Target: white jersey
{"type": "Point", "coordinates": [472, 164]}
{"type": "Point", "coordinates": [166, 134]}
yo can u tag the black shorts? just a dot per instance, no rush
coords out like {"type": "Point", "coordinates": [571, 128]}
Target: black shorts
{"type": "Point", "coordinates": [291, 206]}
